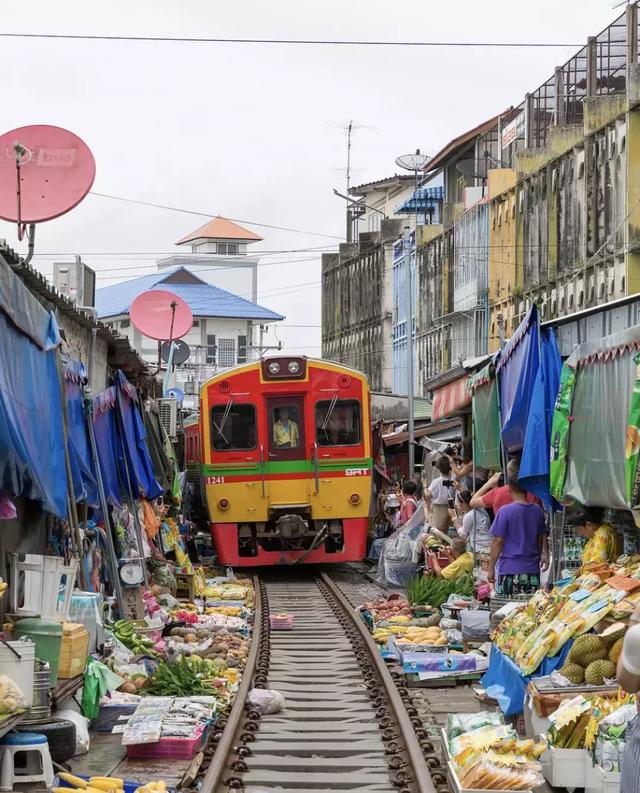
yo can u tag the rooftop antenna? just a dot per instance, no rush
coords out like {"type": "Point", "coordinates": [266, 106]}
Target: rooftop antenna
{"type": "Point", "coordinates": [45, 171]}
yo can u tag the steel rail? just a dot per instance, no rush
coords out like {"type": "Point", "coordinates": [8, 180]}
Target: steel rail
{"type": "Point", "coordinates": [421, 772]}
{"type": "Point", "coordinates": [217, 765]}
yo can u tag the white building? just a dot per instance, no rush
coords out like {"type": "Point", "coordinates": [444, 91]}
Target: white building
{"type": "Point", "coordinates": [219, 255]}
{"type": "Point", "coordinates": [224, 328]}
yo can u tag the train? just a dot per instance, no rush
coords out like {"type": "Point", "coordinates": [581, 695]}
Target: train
{"type": "Point", "coordinates": [281, 450]}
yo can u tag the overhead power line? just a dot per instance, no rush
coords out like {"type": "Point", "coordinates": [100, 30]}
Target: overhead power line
{"type": "Point", "coordinates": [295, 42]}
{"type": "Point", "coordinates": [212, 214]}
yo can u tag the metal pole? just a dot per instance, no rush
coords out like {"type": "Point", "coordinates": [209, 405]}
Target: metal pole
{"type": "Point", "coordinates": [409, 325]}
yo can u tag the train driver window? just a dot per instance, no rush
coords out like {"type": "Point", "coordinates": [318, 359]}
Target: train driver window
{"type": "Point", "coordinates": [286, 427]}
{"type": "Point", "coordinates": [338, 422]}
{"type": "Point", "coordinates": [233, 427]}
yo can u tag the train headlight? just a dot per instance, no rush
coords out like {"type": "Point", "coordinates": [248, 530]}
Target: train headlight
{"type": "Point", "coordinates": [293, 367]}
{"type": "Point", "coordinates": [223, 503]}
{"type": "Point", "coordinates": [274, 367]}
{"type": "Point", "coordinates": [354, 499]}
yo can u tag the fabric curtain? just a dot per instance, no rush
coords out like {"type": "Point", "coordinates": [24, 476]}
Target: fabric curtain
{"type": "Point", "coordinates": [486, 419]}
{"type": "Point", "coordinates": [85, 487]}
{"type": "Point", "coordinates": [104, 427]}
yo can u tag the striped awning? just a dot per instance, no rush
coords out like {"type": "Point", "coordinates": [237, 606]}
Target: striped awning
{"type": "Point", "coordinates": [451, 398]}
{"type": "Point", "coordinates": [424, 199]}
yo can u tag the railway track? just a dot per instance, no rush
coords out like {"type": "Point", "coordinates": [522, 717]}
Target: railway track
{"type": "Point", "coordinates": [345, 726]}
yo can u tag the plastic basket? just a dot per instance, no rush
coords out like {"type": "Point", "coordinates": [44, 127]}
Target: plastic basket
{"type": "Point", "coordinates": [41, 586]}
{"type": "Point", "coordinates": [281, 622]}
{"type": "Point", "coordinates": [129, 787]}
{"type": "Point", "coordinates": [165, 749]}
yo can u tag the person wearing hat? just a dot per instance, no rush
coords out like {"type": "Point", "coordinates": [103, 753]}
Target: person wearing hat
{"type": "Point", "coordinates": [603, 544]}
{"type": "Point", "coordinates": [629, 678]}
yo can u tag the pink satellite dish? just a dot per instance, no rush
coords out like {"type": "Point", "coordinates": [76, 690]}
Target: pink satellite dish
{"type": "Point", "coordinates": [44, 172]}
{"type": "Point", "coordinates": [161, 315]}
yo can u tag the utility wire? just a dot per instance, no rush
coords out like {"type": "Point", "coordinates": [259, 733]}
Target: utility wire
{"type": "Point", "coordinates": [210, 215]}
{"type": "Point", "coordinates": [298, 42]}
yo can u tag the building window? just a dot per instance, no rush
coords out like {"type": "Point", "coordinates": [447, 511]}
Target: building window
{"type": "Point", "coordinates": [242, 349]}
{"type": "Point", "coordinates": [211, 349]}
{"type": "Point", "coordinates": [124, 323]}
{"type": "Point", "coordinates": [227, 248]}
{"type": "Point", "coordinates": [226, 352]}
{"type": "Point", "coordinates": [196, 323]}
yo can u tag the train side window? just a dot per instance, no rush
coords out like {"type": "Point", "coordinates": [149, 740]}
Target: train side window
{"type": "Point", "coordinates": [233, 428]}
{"type": "Point", "coordinates": [338, 423]}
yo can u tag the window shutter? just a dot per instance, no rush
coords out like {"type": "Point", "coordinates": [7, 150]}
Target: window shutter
{"type": "Point", "coordinates": [211, 349]}
{"type": "Point", "coordinates": [242, 349]}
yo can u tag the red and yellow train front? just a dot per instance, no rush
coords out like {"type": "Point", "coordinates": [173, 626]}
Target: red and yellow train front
{"type": "Point", "coordinates": [287, 462]}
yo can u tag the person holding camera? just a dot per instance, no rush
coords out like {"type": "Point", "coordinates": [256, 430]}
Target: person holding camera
{"type": "Point", "coordinates": [439, 496]}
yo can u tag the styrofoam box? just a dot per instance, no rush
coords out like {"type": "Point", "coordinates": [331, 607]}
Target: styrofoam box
{"type": "Point", "coordinates": [20, 670]}
{"type": "Point", "coordinates": [534, 725]}
{"type": "Point", "coordinates": [565, 767]}
{"type": "Point", "coordinates": [600, 781]}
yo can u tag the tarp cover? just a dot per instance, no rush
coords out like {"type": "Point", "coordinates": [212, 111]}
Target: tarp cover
{"type": "Point", "coordinates": [486, 419]}
{"type": "Point", "coordinates": [606, 371]}
{"type": "Point", "coordinates": [32, 460]}
{"type": "Point", "coordinates": [104, 427]}
{"type": "Point", "coordinates": [132, 435]}
{"type": "Point", "coordinates": [534, 466]}
{"type": "Point", "coordinates": [517, 370]}
{"type": "Point", "coordinates": [84, 481]}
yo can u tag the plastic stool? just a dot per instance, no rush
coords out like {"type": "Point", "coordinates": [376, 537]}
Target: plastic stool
{"type": "Point", "coordinates": [34, 761]}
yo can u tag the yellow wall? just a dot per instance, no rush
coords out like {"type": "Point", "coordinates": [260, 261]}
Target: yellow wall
{"type": "Point", "coordinates": [502, 244]}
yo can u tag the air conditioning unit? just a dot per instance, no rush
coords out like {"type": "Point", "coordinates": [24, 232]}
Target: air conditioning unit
{"type": "Point", "coordinates": [76, 281]}
{"type": "Point", "coordinates": [190, 387]}
{"type": "Point", "coordinates": [168, 412]}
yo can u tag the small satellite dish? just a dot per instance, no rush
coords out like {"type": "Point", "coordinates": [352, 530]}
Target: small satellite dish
{"type": "Point", "coordinates": [44, 172]}
{"type": "Point", "coordinates": [176, 393]}
{"type": "Point", "coordinates": [180, 353]}
{"type": "Point", "coordinates": [161, 315]}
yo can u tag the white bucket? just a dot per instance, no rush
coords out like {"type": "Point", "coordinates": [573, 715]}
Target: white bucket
{"type": "Point", "coordinates": [41, 586]}
{"type": "Point", "coordinates": [20, 670]}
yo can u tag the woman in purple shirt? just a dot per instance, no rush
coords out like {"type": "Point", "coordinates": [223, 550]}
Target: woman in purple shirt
{"type": "Point", "coordinates": [518, 532]}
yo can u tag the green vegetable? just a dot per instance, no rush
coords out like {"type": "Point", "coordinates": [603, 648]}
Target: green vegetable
{"type": "Point", "coordinates": [183, 678]}
{"type": "Point", "coordinates": [434, 591]}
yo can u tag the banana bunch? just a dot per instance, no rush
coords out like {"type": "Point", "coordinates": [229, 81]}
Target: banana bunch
{"type": "Point", "coordinates": [126, 633]}
{"type": "Point", "coordinates": [96, 784]}
{"type": "Point", "coordinates": [152, 787]}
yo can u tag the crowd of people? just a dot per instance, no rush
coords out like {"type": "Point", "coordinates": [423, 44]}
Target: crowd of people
{"type": "Point", "coordinates": [491, 524]}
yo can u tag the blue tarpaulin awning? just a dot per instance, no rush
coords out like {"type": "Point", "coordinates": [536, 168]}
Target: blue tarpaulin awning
{"type": "Point", "coordinates": [534, 466]}
{"type": "Point", "coordinates": [517, 370]}
{"type": "Point", "coordinates": [424, 199]}
{"type": "Point", "coordinates": [85, 487]}
{"type": "Point", "coordinates": [32, 459]}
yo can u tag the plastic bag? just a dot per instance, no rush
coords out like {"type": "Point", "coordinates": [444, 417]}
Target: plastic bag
{"type": "Point", "coordinates": [396, 563]}
{"type": "Point", "coordinates": [266, 700]}
{"type": "Point", "coordinates": [11, 697]}
{"type": "Point", "coordinates": [82, 729]}
{"type": "Point", "coordinates": [98, 679]}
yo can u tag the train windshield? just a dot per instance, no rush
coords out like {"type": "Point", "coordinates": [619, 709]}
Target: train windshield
{"type": "Point", "coordinates": [233, 427]}
{"type": "Point", "coordinates": [338, 422]}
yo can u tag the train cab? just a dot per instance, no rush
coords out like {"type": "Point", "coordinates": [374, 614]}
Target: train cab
{"type": "Point", "coordinates": [287, 462]}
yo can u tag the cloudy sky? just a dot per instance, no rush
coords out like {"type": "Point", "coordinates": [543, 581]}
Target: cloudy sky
{"type": "Point", "coordinates": [255, 131]}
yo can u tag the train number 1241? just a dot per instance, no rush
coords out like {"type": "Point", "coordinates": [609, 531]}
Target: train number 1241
{"type": "Point", "coordinates": [215, 480]}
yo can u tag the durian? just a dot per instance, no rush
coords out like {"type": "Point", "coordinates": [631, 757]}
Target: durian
{"type": "Point", "coordinates": [614, 632]}
{"type": "Point", "coordinates": [614, 652]}
{"type": "Point", "coordinates": [587, 649]}
{"type": "Point", "coordinates": [573, 672]}
{"type": "Point", "coordinates": [599, 671]}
